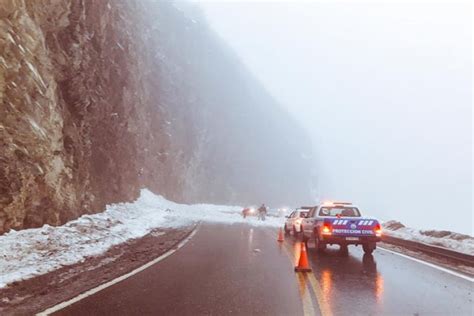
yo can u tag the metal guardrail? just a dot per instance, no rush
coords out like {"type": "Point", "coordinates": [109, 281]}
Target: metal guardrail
{"type": "Point", "coordinates": [465, 259]}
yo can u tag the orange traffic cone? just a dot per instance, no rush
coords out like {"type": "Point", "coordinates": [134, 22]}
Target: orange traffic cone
{"type": "Point", "coordinates": [280, 236]}
{"type": "Point", "coordinates": [303, 264]}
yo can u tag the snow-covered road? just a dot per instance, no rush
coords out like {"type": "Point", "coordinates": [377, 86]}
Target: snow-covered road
{"type": "Point", "coordinates": [31, 252]}
{"type": "Point", "coordinates": [27, 253]}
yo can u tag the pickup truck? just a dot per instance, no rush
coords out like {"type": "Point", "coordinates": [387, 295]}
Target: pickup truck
{"type": "Point", "coordinates": [340, 223]}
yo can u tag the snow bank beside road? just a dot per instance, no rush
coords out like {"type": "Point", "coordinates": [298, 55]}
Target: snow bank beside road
{"type": "Point", "coordinates": [454, 241]}
{"type": "Point", "coordinates": [30, 252]}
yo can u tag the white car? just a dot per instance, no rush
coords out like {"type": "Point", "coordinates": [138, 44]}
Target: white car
{"type": "Point", "coordinates": [294, 220]}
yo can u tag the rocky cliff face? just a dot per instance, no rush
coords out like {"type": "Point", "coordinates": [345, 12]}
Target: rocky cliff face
{"type": "Point", "coordinates": [101, 98]}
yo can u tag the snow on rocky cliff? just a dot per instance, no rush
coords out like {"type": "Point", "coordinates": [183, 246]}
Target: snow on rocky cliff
{"type": "Point", "coordinates": [101, 98]}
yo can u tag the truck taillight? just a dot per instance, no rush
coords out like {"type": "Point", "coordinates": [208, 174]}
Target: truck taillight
{"type": "Point", "coordinates": [378, 230]}
{"type": "Point", "coordinates": [327, 229]}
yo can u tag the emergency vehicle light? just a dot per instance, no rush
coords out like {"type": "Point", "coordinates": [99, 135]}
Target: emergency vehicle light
{"type": "Point", "coordinates": [327, 229]}
{"type": "Point", "coordinates": [378, 230]}
{"type": "Point", "coordinates": [332, 203]}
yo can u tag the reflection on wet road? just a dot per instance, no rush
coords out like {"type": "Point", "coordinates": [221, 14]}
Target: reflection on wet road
{"type": "Point", "coordinates": [384, 284]}
{"type": "Point", "coordinates": [243, 270]}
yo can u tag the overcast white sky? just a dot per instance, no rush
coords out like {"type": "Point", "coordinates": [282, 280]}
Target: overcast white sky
{"type": "Point", "coordinates": [383, 88]}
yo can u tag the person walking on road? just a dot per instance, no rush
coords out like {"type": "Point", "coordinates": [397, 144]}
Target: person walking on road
{"type": "Point", "coordinates": [245, 212]}
{"type": "Point", "coordinates": [262, 211]}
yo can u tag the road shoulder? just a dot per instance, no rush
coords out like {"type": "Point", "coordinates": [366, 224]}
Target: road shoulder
{"type": "Point", "coordinates": [35, 294]}
{"type": "Point", "coordinates": [440, 261]}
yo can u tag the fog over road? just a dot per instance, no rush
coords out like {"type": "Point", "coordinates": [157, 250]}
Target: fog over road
{"type": "Point", "coordinates": [243, 270]}
{"type": "Point", "coordinates": [384, 89]}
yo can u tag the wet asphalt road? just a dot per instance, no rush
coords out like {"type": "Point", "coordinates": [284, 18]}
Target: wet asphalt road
{"type": "Point", "coordinates": [242, 270]}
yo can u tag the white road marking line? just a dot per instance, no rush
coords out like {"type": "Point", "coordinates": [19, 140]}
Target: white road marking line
{"type": "Point", "coordinates": [117, 280]}
{"type": "Point", "coordinates": [324, 306]}
{"type": "Point", "coordinates": [308, 308]}
{"type": "Point", "coordinates": [465, 277]}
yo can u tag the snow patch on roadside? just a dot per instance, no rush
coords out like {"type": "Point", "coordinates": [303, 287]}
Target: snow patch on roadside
{"type": "Point", "coordinates": [31, 252]}
{"type": "Point", "coordinates": [454, 241]}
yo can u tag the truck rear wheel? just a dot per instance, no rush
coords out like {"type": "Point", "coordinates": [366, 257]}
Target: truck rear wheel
{"type": "Point", "coordinates": [369, 247]}
{"type": "Point", "coordinates": [344, 249]}
{"type": "Point", "coordinates": [295, 232]}
{"type": "Point", "coordinates": [320, 246]}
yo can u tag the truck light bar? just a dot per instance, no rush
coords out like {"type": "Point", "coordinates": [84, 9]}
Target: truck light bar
{"type": "Point", "coordinates": [332, 203]}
